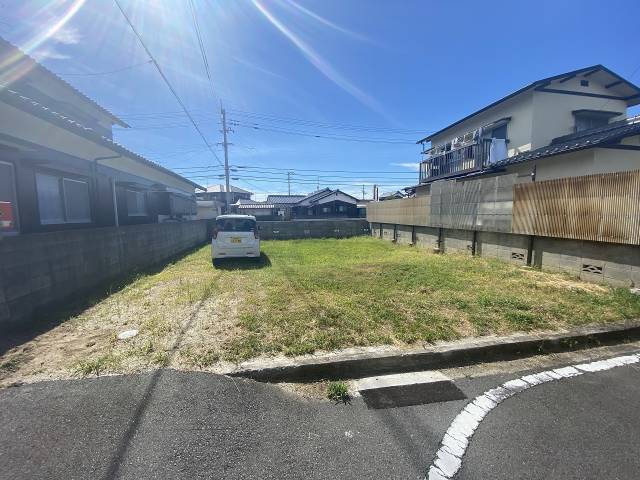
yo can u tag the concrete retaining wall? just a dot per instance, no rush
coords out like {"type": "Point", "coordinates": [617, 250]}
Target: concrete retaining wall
{"type": "Point", "coordinates": [43, 269]}
{"type": "Point", "coordinates": [609, 263]}
{"type": "Point", "coordinates": [293, 229]}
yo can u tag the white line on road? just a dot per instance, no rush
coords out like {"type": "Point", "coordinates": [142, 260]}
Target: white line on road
{"type": "Point", "coordinates": [456, 440]}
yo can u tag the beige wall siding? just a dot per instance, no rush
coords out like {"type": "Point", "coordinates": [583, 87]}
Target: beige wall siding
{"type": "Point", "coordinates": [552, 115]}
{"type": "Point", "coordinates": [21, 125]}
{"type": "Point", "coordinates": [583, 162]}
{"type": "Point", "coordinates": [518, 130]}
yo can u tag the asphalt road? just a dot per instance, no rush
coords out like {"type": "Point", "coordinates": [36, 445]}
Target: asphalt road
{"type": "Point", "coordinates": [172, 424]}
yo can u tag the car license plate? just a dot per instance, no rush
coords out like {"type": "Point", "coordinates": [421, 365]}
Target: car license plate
{"type": "Point", "coordinates": [235, 240]}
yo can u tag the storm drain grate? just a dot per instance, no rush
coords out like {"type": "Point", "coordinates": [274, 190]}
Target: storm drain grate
{"type": "Point", "coordinates": [594, 269]}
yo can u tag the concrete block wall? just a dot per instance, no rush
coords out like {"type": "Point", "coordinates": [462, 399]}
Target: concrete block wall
{"type": "Point", "coordinates": [427, 237]}
{"type": "Point", "coordinates": [297, 229]}
{"type": "Point", "coordinates": [43, 269]}
{"type": "Point", "coordinates": [503, 246]}
{"type": "Point", "coordinates": [608, 263]}
{"type": "Point", "coordinates": [388, 231]}
{"type": "Point", "coordinates": [404, 234]}
{"type": "Point", "coordinates": [458, 241]}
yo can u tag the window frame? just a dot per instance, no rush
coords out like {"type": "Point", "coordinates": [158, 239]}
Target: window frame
{"type": "Point", "coordinates": [61, 177]}
{"type": "Point", "coordinates": [16, 209]}
{"type": "Point", "coordinates": [146, 205]}
{"type": "Point", "coordinates": [65, 195]}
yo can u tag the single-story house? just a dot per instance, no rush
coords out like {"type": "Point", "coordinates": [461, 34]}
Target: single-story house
{"type": "Point", "coordinates": [59, 165]}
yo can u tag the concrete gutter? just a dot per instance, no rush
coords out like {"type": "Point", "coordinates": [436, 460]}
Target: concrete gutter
{"type": "Point", "coordinates": [354, 363]}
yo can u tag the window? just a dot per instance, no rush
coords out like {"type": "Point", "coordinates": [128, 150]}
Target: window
{"type": "Point", "coordinates": [76, 194]}
{"type": "Point", "coordinates": [584, 83]}
{"type": "Point", "coordinates": [49, 199]}
{"type": "Point", "coordinates": [136, 203]}
{"type": "Point", "coordinates": [342, 208]}
{"type": "Point", "coordinates": [62, 200]}
{"type": "Point", "coordinates": [326, 209]}
{"type": "Point", "coordinates": [235, 225]}
{"type": "Point", "coordinates": [8, 199]}
{"type": "Point", "coordinates": [499, 132]}
{"type": "Point", "coordinates": [588, 119]}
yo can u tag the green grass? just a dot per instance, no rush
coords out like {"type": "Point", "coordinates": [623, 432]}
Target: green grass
{"type": "Point", "coordinates": [305, 296]}
{"type": "Point", "coordinates": [338, 392]}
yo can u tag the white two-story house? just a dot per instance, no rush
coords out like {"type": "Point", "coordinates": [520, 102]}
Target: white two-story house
{"type": "Point", "coordinates": [570, 124]}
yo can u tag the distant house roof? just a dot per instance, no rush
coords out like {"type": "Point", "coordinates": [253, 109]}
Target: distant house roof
{"type": "Point", "coordinates": [246, 201]}
{"type": "Point", "coordinates": [254, 206]}
{"type": "Point", "coordinates": [285, 199]}
{"type": "Point", "coordinates": [578, 141]}
{"type": "Point", "coordinates": [31, 106]}
{"type": "Point", "coordinates": [631, 92]}
{"type": "Point", "coordinates": [222, 188]}
{"type": "Point", "coordinates": [13, 58]}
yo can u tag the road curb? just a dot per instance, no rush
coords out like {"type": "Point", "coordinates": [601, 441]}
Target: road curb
{"type": "Point", "coordinates": [350, 365]}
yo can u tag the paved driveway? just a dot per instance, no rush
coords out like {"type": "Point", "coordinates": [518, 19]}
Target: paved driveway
{"type": "Point", "coordinates": [173, 424]}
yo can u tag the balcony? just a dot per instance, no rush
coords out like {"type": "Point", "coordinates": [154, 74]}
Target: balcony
{"type": "Point", "coordinates": [467, 159]}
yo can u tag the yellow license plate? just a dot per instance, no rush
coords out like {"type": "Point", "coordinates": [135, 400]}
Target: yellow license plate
{"type": "Point", "coordinates": [236, 240]}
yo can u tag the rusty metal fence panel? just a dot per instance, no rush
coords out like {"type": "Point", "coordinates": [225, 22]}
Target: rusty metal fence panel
{"type": "Point", "coordinates": [403, 211]}
{"type": "Point", "coordinates": [600, 208]}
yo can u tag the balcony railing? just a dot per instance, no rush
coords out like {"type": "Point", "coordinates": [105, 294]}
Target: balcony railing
{"type": "Point", "coordinates": [455, 162]}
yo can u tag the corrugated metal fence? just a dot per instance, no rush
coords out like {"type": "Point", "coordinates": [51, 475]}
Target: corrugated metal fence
{"type": "Point", "coordinates": [602, 208]}
{"type": "Point", "coordinates": [405, 211]}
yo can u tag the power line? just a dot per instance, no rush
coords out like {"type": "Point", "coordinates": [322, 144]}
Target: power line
{"type": "Point", "coordinates": [265, 174]}
{"type": "Point", "coordinates": [135, 65]}
{"type": "Point", "coordinates": [250, 167]}
{"type": "Point", "coordinates": [203, 52]}
{"type": "Point", "coordinates": [326, 137]}
{"type": "Point", "coordinates": [166, 80]}
{"type": "Point", "coordinates": [273, 118]}
{"type": "Point", "coordinates": [298, 121]}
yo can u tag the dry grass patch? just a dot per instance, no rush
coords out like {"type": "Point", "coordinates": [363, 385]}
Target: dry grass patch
{"type": "Point", "coordinates": [303, 297]}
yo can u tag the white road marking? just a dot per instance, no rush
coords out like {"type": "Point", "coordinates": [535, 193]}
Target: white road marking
{"type": "Point", "coordinates": [456, 440]}
{"type": "Point", "coordinates": [400, 379]}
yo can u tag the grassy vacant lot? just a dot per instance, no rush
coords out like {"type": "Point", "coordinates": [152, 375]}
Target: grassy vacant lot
{"type": "Point", "coordinates": [307, 296]}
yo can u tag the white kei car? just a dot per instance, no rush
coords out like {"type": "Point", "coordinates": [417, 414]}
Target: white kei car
{"type": "Point", "coordinates": [235, 236]}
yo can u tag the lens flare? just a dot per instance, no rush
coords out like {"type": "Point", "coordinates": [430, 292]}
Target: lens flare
{"type": "Point", "coordinates": [13, 65]}
{"type": "Point", "coordinates": [319, 62]}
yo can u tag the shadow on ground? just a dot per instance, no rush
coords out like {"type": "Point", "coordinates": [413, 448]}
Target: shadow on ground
{"type": "Point", "coordinates": [49, 317]}
{"type": "Point", "coordinates": [262, 261]}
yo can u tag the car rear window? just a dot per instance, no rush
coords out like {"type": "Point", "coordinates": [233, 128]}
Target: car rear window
{"type": "Point", "coordinates": [235, 225]}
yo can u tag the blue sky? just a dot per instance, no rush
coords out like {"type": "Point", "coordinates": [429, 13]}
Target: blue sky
{"type": "Point", "coordinates": [380, 73]}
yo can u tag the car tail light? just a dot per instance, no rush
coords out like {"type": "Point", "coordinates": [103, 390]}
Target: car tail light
{"type": "Point", "coordinates": [215, 233]}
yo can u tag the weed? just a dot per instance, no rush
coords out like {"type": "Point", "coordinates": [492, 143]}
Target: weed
{"type": "Point", "coordinates": [201, 359]}
{"type": "Point", "coordinates": [94, 366]}
{"type": "Point", "coordinates": [10, 365]}
{"type": "Point", "coordinates": [338, 392]}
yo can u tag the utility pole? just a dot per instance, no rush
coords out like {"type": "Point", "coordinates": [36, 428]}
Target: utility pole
{"type": "Point", "coordinates": [363, 192]}
{"type": "Point", "coordinates": [226, 158]}
{"type": "Point", "coordinates": [289, 182]}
